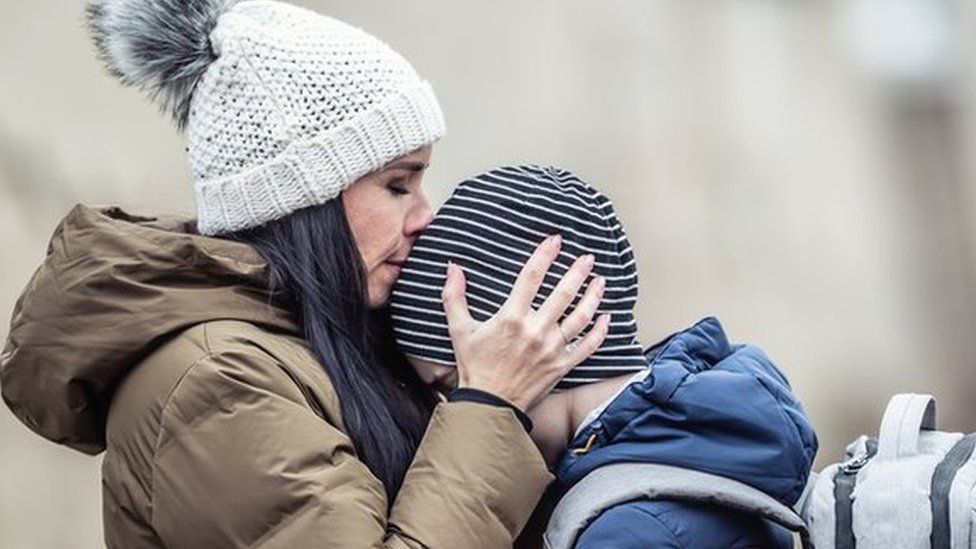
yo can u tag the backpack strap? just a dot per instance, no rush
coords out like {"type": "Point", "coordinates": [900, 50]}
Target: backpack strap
{"type": "Point", "coordinates": [611, 485]}
{"type": "Point", "coordinates": [945, 473]}
{"type": "Point", "coordinates": [907, 414]}
{"type": "Point", "coordinates": [845, 479]}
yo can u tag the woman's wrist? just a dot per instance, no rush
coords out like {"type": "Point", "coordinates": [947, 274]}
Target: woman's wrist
{"type": "Point", "coordinates": [470, 394]}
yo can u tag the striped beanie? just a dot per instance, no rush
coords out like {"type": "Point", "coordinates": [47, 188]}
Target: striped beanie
{"type": "Point", "coordinates": [490, 226]}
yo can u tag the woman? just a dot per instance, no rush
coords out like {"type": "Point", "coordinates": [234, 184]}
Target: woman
{"type": "Point", "coordinates": [239, 372]}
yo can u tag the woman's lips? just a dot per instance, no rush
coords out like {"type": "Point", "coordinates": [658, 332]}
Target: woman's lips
{"type": "Point", "coordinates": [395, 266]}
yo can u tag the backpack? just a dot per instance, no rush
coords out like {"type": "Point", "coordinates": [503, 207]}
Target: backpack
{"type": "Point", "coordinates": [912, 487]}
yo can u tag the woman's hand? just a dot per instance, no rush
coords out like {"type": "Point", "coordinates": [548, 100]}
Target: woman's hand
{"type": "Point", "coordinates": [520, 353]}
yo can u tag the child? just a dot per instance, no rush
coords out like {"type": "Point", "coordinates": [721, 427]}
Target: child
{"type": "Point", "coordinates": [693, 401]}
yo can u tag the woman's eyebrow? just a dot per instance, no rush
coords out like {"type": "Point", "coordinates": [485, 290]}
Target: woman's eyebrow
{"type": "Point", "coordinates": [408, 165]}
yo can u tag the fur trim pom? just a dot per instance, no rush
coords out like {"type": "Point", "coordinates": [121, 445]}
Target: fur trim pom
{"type": "Point", "coordinates": [160, 46]}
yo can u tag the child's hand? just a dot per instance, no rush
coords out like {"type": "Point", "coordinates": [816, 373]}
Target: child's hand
{"type": "Point", "coordinates": [520, 353]}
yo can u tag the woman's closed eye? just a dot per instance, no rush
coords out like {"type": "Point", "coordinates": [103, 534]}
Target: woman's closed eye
{"type": "Point", "coordinates": [398, 187]}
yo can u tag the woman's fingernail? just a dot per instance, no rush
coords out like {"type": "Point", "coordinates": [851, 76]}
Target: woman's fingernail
{"type": "Point", "coordinates": [589, 260]}
{"type": "Point", "coordinates": [557, 240]}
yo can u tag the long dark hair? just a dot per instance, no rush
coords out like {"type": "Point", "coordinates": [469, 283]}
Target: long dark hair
{"type": "Point", "coordinates": [315, 270]}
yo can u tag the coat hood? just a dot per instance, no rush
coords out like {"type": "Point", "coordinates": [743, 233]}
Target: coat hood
{"type": "Point", "coordinates": [112, 288]}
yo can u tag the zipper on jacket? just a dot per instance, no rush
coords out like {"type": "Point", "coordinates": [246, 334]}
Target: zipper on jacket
{"type": "Point", "coordinates": [591, 441]}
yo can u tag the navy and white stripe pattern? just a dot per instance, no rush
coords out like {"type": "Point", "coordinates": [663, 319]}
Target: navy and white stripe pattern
{"type": "Point", "coordinates": [490, 226]}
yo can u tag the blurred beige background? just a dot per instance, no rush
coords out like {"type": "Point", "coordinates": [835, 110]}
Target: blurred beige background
{"type": "Point", "coordinates": [804, 170]}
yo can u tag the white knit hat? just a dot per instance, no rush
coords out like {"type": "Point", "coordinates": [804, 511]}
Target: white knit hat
{"type": "Point", "coordinates": [283, 107]}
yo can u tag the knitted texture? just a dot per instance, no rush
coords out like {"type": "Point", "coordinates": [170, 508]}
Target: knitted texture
{"type": "Point", "coordinates": [489, 226]}
{"type": "Point", "coordinates": [285, 107]}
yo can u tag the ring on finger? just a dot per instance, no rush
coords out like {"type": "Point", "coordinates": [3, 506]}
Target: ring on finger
{"type": "Point", "coordinates": [566, 340]}
{"type": "Point", "coordinates": [571, 344]}
{"type": "Point", "coordinates": [571, 347]}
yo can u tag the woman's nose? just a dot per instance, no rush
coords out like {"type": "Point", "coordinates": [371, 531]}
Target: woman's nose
{"type": "Point", "coordinates": [420, 216]}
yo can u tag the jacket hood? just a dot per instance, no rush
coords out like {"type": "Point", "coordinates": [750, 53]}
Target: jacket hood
{"type": "Point", "coordinates": [112, 288]}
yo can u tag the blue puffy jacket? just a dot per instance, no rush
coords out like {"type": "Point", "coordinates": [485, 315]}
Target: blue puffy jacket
{"type": "Point", "coordinates": [706, 405]}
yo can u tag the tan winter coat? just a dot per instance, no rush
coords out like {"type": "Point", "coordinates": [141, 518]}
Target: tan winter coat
{"type": "Point", "coordinates": [219, 427]}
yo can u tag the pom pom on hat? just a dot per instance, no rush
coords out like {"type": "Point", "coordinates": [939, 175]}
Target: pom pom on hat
{"type": "Point", "coordinates": [160, 46]}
